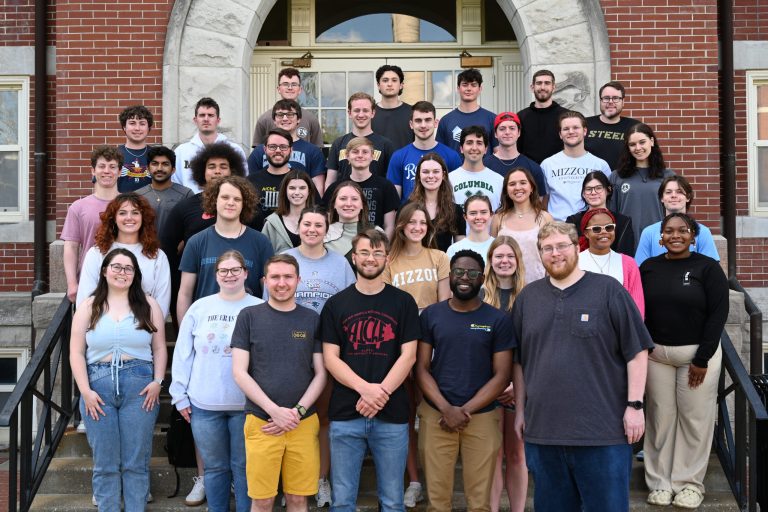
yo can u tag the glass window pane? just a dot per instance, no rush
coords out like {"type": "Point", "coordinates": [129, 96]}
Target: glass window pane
{"type": "Point", "coordinates": [762, 112]}
{"type": "Point", "coordinates": [334, 123]}
{"type": "Point", "coordinates": [9, 117]}
{"type": "Point", "coordinates": [9, 181]}
{"type": "Point", "coordinates": [762, 176]}
{"type": "Point", "coordinates": [8, 370]}
{"type": "Point", "coordinates": [308, 96]}
{"type": "Point", "coordinates": [360, 81]}
{"type": "Point", "coordinates": [440, 88]}
{"type": "Point", "coordinates": [332, 92]}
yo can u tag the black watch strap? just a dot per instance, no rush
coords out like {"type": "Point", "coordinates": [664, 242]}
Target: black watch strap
{"type": "Point", "coordinates": [635, 404]}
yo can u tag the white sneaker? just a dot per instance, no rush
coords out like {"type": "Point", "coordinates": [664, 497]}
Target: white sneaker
{"type": "Point", "coordinates": [81, 427]}
{"type": "Point", "coordinates": [282, 501]}
{"type": "Point", "coordinates": [197, 495]}
{"type": "Point", "coordinates": [323, 493]}
{"type": "Point", "coordinates": [413, 495]}
{"type": "Point", "coordinates": [150, 498]}
{"type": "Point", "coordinates": [93, 500]}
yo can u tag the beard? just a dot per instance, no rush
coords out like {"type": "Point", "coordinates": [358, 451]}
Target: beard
{"type": "Point", "coordinates": [277, 165]}
{"type": "Point", "coordinates": [561, 272]}
{"type": "Point", "coordinates": [368, 272]}
{"type": "Point", "coordinates": [465, 295]}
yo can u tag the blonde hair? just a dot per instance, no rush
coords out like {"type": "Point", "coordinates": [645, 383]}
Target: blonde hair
{"type": "Point", "coordinates": [491, 284]}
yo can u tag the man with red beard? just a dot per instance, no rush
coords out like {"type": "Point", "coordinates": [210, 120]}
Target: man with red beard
{"type": "Point", "coordinates": [579, 379]}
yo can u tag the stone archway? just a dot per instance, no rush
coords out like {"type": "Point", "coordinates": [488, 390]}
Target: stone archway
{"type": "Point", "coordinates": [209, 44]}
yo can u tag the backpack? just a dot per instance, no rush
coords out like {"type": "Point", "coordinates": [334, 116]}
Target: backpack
{"type": "Point", "coordinates": [179, 445]}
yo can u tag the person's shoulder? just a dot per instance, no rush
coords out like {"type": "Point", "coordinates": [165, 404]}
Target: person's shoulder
{"type": "Point", "coordinates": [180, 189]}
{"type": "Point", "coordinates": [552, 160]}
{"type": "Point", "coordinates": [255, 235]}
{"type": "Point", "coordinates": [306, 313]}
{"type": "Point", "coordinates": [143, 191]}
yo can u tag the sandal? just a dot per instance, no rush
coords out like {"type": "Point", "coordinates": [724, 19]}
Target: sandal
{"type": "Point", "coordinates": [689, 497]}
{"type": "Point", "coordinates": [660, 497]}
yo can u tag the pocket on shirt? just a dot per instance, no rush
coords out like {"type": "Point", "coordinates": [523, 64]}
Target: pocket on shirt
{"type": "Point", "coordinates": [584, 322]}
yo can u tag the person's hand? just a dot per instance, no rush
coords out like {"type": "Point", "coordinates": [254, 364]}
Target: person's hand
{"type": "Point", "coordinates": [507, 397]}
{"type": "Point", "coordinates": [72, 292]}
{"type": "Point", "coordinates": [366, 410]}
{"type": "Point", "coordinates": [271, 429]}
{"type": "Point", "coordinates": [93, 403]}
{"type": "Point", "coordinates": [519, 424]}
{"type": "Point", "coordinates": [374, 395]}
{"type": "Point", "coordinates": [696, 375]}
{"type": "Point", "coordinates": [284, 418]}
{"type": "Point", "coordinates": [634, 424]}
{"type": "Point", "coordinates": [151, 393]}
{"type": "Point", "coordinates": [186, 413]}
{"type": "Point", "coordinates": [454, 419]}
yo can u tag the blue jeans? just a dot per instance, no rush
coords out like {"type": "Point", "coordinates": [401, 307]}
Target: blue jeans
{"type": "Point", "coordinates": [388, 443]}
{"type": "Point", "coordinates": [580, 478]}
{"type": "Point", "coordinates": [220, 440]}
{"type": "Point", "coordinates": [121, 441]}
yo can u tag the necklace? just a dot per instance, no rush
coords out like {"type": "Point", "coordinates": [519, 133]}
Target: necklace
{"type": "Point", "coordinates": [154, 193]}
{"type": "Point", "coordinates": [601, 268]}
{"type": "Point", "coordinates": [520, 215]}
{"type": "Point", "coordinates": [134, 155]}
{"type": "Point", "coordinates": [508, 162]}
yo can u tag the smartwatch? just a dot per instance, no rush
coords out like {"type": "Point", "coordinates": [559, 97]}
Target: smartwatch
{"type": "Point", "coordinates": [302, 410]}
{"type": "Point", "coordinates": [635, 404]}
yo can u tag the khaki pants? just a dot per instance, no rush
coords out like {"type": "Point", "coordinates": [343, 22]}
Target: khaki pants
{"type": "Point", "coordinates": [679, 420]}
{"type": "Point", "coordinates": [479, 445]}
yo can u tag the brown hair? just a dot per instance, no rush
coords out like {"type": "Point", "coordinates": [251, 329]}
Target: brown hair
{"type": "Point", "coordinates": [361, 96]}
{"type": "Point", "coordinates": [508, 205]}
{"type": "Point", "coordinates": [107, 232]}
{"type": "Point", "coordinates": [250, 197]}
{"type": "Point", "coordinates": [333, 215]}
{"type": "Point", "coordinates": [108, 153]}
{"type": "Point", "coordinates": [445, 216]}
{"type": "Point", "coordinates": [376, 238]}
{"type": "Point", "coordinates": [491, 284]}
{"type": "Point", "coordinates": [281, 258]}
{"type": "Point", "coordinates": [403, 218]}
{"type": "Point", "coordinates": [283, 205]}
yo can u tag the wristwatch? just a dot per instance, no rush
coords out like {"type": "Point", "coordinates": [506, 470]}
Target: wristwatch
{"type": "Point", "coordinates": [636, 404]}
{"type": "Point", "coordinates": [302, 410]}
{"type": "Point", "coordinates": [159, 381]}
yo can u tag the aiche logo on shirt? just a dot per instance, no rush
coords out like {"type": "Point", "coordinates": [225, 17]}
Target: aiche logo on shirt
{"type": "Point", "coordinates": [479, 327]}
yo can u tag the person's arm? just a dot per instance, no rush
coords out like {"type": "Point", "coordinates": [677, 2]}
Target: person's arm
{"type": "Point", "coordinates": [331, 176]}
{"type": "Point", "coordinates": [502, 367]}
{"type": "Point", "coordinates": [186, 293]}
{"type": "Point", "coordinates": [705, 244]}
{"type": "Point", "coordinates": [162, 291]}
{"type": "Point", "coordinates": [374, 395]}
{"type": "Point", "coordinates": [89, 275]}
{"type": "Point", "coordinates": [71, 252]}
{"type": "Point", "coordinates": [319, 181]}
{"type": "Point", "coordinates": [402, 367]}
{"type": "Point", "coordinates": [389, 224]}
{"type": "Point", "coordinates": [495, 224]}
{"type": "Point", "coordinates": [283, 418]}
{"type": "Point", "coordinates": [519, 384]}
{"type": "Point", "coordinates": [151, 391]}
{"type": "Point", "coordinates": [717, 297]}
{"type": "Point", "coordinates": [634, 420]}
{"type": "Point", "coordinates": [454, 418]}
{"type": "Point", "coordinates": [317, 384]}
{"type": "Point", "coordinates": [181, 368]}
{"type": "Point", "coordinates": [77, 346]}
{"type": "Point", "coordinates": [399, 189]}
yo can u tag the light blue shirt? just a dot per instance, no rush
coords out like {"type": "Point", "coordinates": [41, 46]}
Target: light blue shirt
{"type": "Point", "coordinates": [649, 245]}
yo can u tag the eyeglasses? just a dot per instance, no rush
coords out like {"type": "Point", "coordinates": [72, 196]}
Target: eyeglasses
{"type": "Point", "coordinates": [224, 272]}
{"type": "Point", "coordinates": [611, 99]}
{"type": "Point", "coordinates": [286, 115]}
{"type": "Point", "coordinates": [275, 147]}
{"type": "Point", "coordinates": [122, 269]}
{"type": "Point", "coordinates": [594, 190]}
{"type": "Point", "coordinates": [460, 272]}
{"type": "Point", "coordinates": [609, 228]}
{"type": "Point", "coordinates": [549, 249]}
{"type": "Point", "coordinates": [379, 255]}
{"type": "Point", "coordinates": [290, 85]}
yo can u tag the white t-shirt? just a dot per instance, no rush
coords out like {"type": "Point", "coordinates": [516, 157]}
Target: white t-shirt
{"type": "Point", "coordinates": [480, 248]}
{"type": "Point", "coordinates": [564, 175]}
{"type": "Point", "coordinates": [189, 150]}
{"type": "Point", "coordinates": [467, 183]}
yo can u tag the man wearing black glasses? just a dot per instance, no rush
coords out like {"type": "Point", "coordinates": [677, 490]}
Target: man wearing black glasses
{"type": "Point", "coordinates": [287, 114]}
{"type": "Point", "coordinates": [267, 181]}
{"type": "Point", "coordinates": [289, 88]}
{"type": "Point", "coordinates": [605, 136]}
{"type": "Point", "coordinates": [462, 365]}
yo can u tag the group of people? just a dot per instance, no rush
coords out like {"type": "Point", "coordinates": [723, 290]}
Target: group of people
{"type": "Point", "coordinates": [525, 289]}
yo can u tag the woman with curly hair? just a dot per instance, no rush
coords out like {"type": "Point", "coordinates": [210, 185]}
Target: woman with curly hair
{"type": "Point", "coordinates": [118, 359]}
{"type": "Point", "coordinates": [433, 189]}
{"type": "Point", "coordinates": [520, 216]}
{"type": "Point", "coordinates": [297, 191]}
{"type": "Point", "coordinates": [233, 201]}
{"type": "Point", "coordinates": [128, 222]}
{"type": "Point", "coordinates": [636, 182]}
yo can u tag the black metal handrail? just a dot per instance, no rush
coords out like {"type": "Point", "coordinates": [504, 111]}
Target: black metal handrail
{"type": "Point", "coordinates": [755, 328]}
{"type": "Point", "coordinates": [29, 458]}
{"type": "Point", "coordinates": [737, 447]}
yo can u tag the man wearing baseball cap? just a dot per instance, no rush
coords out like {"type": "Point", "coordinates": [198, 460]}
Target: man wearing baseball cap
{"type": "Point", "coordinates": [506, 128]}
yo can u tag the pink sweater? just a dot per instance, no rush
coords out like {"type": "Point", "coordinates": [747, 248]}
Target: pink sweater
{"type": "Point", "coordinates": [632, 282]}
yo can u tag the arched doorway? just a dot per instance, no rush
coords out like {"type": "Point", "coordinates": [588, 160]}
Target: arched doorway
{"type": "Point", "coordinates": [211, 49]}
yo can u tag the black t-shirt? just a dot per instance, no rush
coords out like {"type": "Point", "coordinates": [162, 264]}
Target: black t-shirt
{"type": "Point", "coordinates": [268, 187]}
{"type": "Point", "coordinates": [370, 329]}
{"type": "Point", "coordinates": [394, 124]}
{"type": "Point", "coordinates": [381, 195]}
{"type": "Point", "coordinates": [134, 173]}
{"type": "Point", "coordinates": [607, 140]}
{"type": "Point", "coordinates": [443, 238]}
{"type": "Point", "coordinates": [540, 133]}
{"type": "Point", "coordinates": [382, 152]}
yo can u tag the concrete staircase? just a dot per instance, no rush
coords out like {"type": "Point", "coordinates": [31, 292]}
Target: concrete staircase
{"type": "Point", "coordinates": [67, 485]}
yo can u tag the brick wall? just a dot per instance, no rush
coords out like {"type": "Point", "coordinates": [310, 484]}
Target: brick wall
{"type": "Point", "coordinates": [750, 20]}
{"type": "Point", "coordinates": [17, 22]}
{"type": "Point", "coordinates": [16, 261]}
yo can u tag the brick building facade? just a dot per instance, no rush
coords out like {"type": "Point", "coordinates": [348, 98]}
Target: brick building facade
{"type": "Point", "coordinates": [103, 57]}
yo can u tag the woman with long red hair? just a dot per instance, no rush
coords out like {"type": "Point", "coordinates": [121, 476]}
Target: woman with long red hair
{"type": "Point", "coordinates": [129, 223]}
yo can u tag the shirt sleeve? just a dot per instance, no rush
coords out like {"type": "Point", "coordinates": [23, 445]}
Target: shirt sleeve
{"type": "Point", "coordinates": [395, 168]}
{"type": "Point", "coordinates": [716, 290]}
{"type": "Point", "coordinates": [329, 325]}
{"type": "Point", "coordinates": [411, 324]}
{"type": "Point", "coordinates": [391, 199]}
{"type": "Point", "coordinates": [316, 163]}
{"type": "Point", "coordinates": [625, 318]}
{"type": "Point", "coordinates": [183, 358]}
{"type": "Point", "coordinates": [333, 156]}
{"type": "Point", "coordinates": [705, 244]}
{"type": "Point", "coordinates": [644, 250]}
{"type": "Point", "coordinates": [424, 319]}
{"type": "Point", "coordinates": [162, 291]}
{"type": "Point", "coordinates": [72, 232]}
{"type": "Point", "coordinates": [256, 160]}
{"type": "Point", "coordinates": [504, 334]}
{"type": "Point", "coordinates": [89, 275]}
{"type": "Point", "coordinates": [443, 265]}
{"type": "Point", "coordinates": [241, 335]}
{"type": "Point", "coordinates": [190, 257]}
{"type": "Point", "coordinates": [316, 133]}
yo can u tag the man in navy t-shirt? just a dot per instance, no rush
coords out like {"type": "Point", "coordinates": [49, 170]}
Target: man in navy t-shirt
{"type": "Point", "coordinates": [468, 113]}
{"type": "Point", "coordinates": [463, 363]}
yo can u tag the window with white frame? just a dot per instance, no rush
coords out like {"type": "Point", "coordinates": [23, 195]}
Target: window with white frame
{"type": "Point", "coordinates": [14, 148]}
{"type": "Point", "coordinates": [757, 140]}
